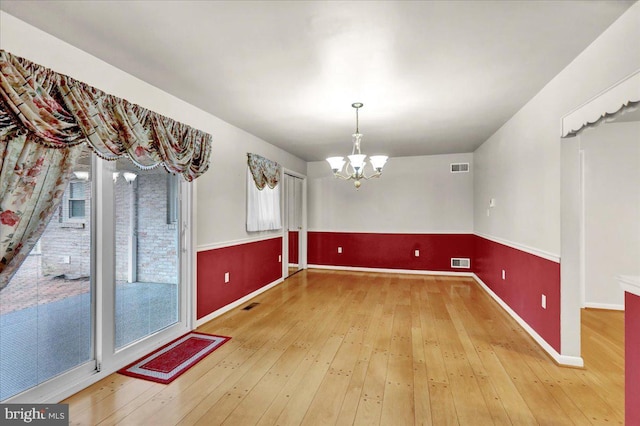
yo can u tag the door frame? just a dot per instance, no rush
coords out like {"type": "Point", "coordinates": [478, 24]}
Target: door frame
{"type": "Point", "coordinates": [572, 268]}
{"type": "Point", "coordinates": [302, 239]}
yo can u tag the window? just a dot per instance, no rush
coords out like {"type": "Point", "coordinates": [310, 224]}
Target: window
{"type": "Point", "coordinates": [76, 200]}
{"type": "Point", "coordinates": [263, 207]}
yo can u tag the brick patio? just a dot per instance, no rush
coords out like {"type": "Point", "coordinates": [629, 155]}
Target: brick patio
{"type": "Point", "coordinates": [29, 287]}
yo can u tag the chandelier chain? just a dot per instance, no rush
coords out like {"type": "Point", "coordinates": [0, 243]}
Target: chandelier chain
{"type": "Point", "coordinates": [357, 121]}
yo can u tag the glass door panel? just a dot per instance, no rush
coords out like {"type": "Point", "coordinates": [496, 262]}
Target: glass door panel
{"type": "Point", "coordinates": [46, 309]}
{"type": "Point", "coordinates": [147, 258]}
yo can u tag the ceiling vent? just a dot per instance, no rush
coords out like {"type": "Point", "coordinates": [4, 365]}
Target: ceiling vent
{"type": "Point", "coordinates": [459, 262]}
{"type": "Point", "coordinates": [459, 167]}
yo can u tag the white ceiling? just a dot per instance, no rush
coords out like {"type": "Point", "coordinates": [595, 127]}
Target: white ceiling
{"type": "Point", "coordinates": [434, 76]}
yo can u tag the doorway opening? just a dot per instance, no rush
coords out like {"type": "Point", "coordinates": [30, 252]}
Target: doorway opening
{"type": "Point", "coordinates": [295, 230]}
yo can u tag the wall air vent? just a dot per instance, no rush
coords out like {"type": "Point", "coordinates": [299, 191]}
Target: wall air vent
{"type": "Point", "coordinates": [459, 167]}
{"type": "Point", "coordinates": [459, 262]}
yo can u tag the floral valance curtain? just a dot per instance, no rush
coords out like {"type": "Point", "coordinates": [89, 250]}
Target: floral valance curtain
{"type": "Point", "coordinates": [263, 194]}
{"type": "Point", "coordinates": [45, 117]}
{"type": "Point", "coordinates": [63, 112]}
{"type": "Point", "coordinates": [264, 171]}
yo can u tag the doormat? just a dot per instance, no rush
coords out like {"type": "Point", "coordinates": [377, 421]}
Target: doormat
{"type": "Point", "coordinates": [165, 364]}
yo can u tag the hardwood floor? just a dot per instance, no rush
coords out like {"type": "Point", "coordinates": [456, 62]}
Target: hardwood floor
{"type": "Point", "coordinates": [329, 347]}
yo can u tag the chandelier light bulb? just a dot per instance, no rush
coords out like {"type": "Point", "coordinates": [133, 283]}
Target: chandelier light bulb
{"type": "Point", "coordinates": [336, 163]}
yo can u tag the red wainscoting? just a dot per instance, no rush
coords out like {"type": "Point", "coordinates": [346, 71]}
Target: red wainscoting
{"type": "Point", "coordinates": [390, 251]}
{"type": "Point", "coordinates": [632, 358]}
{"type": "Point", "coordinates": [527, 277]}
{"type": "Point", "coordinates": [293, 246]}
{"type": "Point", "coordinates": [251, 266]}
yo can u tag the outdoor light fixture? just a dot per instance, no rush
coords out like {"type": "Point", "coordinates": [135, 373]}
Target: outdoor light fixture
{"type": "Point", "coordinates": [355, 165]}
{"type": "Point", "coordinates": [81, 175]}
{"type": "Point", "coordinates": [129, 177]}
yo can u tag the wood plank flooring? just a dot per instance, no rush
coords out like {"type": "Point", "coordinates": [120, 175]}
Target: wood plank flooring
{"type": "Point", "coordinates": [351, 348]}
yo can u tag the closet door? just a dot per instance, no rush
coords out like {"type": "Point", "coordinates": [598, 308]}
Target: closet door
{"type": "Point", "coordinates": [294, 222]}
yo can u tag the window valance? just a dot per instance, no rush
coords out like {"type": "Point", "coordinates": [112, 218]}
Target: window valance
{"type": "Point", "coordinates": [264, 171]}
{"type": "Point", "coordinates": [62, 112]}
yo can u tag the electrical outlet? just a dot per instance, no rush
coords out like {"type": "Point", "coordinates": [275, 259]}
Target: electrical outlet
{"type": "Point", "coordinates": [504, 274]}
{"type": "Point", "coordinates": [416, 253]}
{"type": "Point", "coordinates": [544, 302]}
{"type": "Point", "coordinates": [339, 249]}
{"type": "Point", "coordinates": [226, 277]}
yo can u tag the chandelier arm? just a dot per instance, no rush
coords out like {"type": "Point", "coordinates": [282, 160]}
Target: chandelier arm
{"type": "Point", "coordinates": [375, 175]}
{"type": "Point", "coordinates": [341, 176]}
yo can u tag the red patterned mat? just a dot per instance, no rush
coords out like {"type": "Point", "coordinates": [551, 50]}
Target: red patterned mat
{"type": "Point", "coordinates": [168, 362]}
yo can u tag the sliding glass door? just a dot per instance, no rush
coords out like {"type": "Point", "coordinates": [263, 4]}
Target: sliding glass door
{"type": "Point", "coordinates": [147, 255]}
{"type": "Point", "coordinates": [105, 284]}
{"type": "Point", "coordinates": [46, 310]}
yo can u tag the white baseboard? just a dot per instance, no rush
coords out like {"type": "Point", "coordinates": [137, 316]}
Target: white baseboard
{"type": "Point", "coordinates": [237, 303]}
{"type": "Point", "coordinates": [392, 271]}
{"type": "Point", "coordinates": [570, 361]}
{"type": "Point", "coordinates": [608, 306]}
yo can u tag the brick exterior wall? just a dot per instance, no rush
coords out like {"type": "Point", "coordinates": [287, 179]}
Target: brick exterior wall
{"type": "Point", "coordinates": [157, 240]}
{"type": "Point", "coordinates": [122, 195]}
{"type": "Point", "coordinates": [66, 243]}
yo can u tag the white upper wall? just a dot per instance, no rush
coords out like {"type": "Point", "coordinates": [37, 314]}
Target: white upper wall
{"type": "Point", "coordinates": [221, 192]}
{"type": "Point", "coordinates": [519, 166]}
{"type": "Point", "coordinates": [612, 210]}
{"type": "Point", "coordinates": [414, 195]}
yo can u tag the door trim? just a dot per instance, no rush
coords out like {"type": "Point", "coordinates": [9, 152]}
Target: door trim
{"type": "Point", "coordinates": [302, 239]}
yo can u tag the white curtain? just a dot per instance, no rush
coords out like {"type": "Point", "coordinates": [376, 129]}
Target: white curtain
{"type": "Point", "coordinates": [263, 206]}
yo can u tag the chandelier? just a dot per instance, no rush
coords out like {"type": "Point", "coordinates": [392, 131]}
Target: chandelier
{"type": "Point", "coordinates": [355, 165]}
